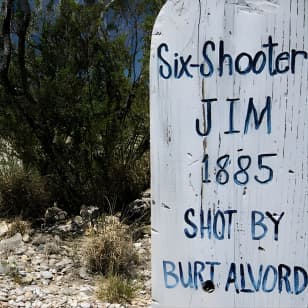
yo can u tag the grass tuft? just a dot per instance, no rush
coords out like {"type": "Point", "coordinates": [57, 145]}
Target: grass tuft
{"type": "Point", "coordinates": [18, 226]}
{"type": "Point", "coordinates": [116, 289]}
{"type": "Point", "coordinates": [111, 251]}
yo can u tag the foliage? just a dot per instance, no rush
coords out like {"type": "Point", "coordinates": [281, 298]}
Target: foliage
{"type": "Point", "coordinates": [116, 289]}
{"type": "Point", "coordinates": [111, 252]}
{"type": "Point", "coordinates": [23, 193]}
{"type": "Point", "coordinates": [74, 95]}
{"type": "Point", "coordinates": [18, 226]}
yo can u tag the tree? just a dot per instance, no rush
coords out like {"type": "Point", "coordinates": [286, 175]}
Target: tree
{"type": "Point", "coordinates": [74, 95]}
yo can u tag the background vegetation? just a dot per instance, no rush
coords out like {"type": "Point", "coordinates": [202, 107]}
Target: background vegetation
{"type": "Point", "coordinates": [74, 122]}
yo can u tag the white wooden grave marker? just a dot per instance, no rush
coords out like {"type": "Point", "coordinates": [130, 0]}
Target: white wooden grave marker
{"type": "Point", "coordinates": [229, 151]}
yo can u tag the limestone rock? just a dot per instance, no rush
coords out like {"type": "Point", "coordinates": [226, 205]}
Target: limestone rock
{"type": "Point", "coordinates": [4, 268]}
{"type": "Point", "coordinates": [4, 228]}
{"type": "Point", "coordinates": [26, 238]}
{"type": "Point", "coordinates": [79, 221]}
{"type": "Point", "coordinates": [11, 243]}
{"type": "Point", "coordinates": [138, 210]}
{"type": "Point", "coordinates": [46, 274]}
{"type": "Point", "coordinates": [83, 273]}
{"type": "Point", "coordinates": [58, 277]}
{"type": "Point", "coordinates": [54, 215]}
{"type": "Point", "coordinates": [89, 213]}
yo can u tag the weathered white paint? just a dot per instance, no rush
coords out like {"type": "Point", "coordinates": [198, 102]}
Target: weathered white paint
{"type": "Point", "coordinates": [177, 151]}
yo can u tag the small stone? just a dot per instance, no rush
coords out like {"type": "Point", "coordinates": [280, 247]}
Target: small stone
{"type": "Point", "coordinates": [44, 267]}
{"type": "Point", "coordinates": [148, 284]}
{"type": "Point", "coordinates": [27, 280]}
{"type": "Point", "coordinates": [66, 269]}
{"type": "Point", "coordinates": [142, 251]}
{"type": "Point", "coordinates": [63, 263]}
{"type": "Point", "coordinates": [23, 273]}
{"type": "Point", "coordinates": [137, 245]}
{"type": "Point", "coordinates": [68, 227]}
{"type": "Point", "coordinates": [51, 262]}
{"type": "Point", "coordinates": [46, 275]}
{"type": "Point", "coordinates": [45, 282]}
{"type": "Point", "coordinates": [36, 260]}
{"type": "Point", "coordinates": [57, 239]}
{"type": "Point", "coordinates": [4, 268]}
{"type": "Point", "coordinates": [24, 258]}
{"type": "Point", "coordinates": [54, 215]}
{"type": "Point", "coordinates": [19, 299]}
{"type": "Point", "coordinates": [83, 273]}
{"type": "Point", "coordinates": [11, 243]}
{"type": "Point", "coordinates": [89, 213]}
{"type": "Point", "coordinates": [87, 290]}
{"type": "Point", "coordinates": [3, 298]}
{"type": "Point", "coordinates": [4, 229]}
{"type": "Point", "coordinates": [21, 250]}
{"type": "Point", "coordinates": [28, 296]}
{"type": "Point", "coordinates": [85, 305]}
{"type": "Point", "coordinates": [26, 238]}
{"type": "Point", "coordinates": [73, 303]}
{"type": "Point", "coordinates": [28, 304]}
{"type": "Point", "coordinates": [41, 247]}
{"type": "Point", "coordinates": [11, 259]}
{"type": "Point", "coordinates": [146, 194]}
{"type": "Point", "coordinates": [39, 239]}
{"type": "Point", "coordinates": [37, 304]}
{"type": "Point", "coordinates": [78, 221]}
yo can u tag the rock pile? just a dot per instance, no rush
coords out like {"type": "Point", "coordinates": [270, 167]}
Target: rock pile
{"type": "Point", "coordinates": [43, 269]}
{"type": "Point", "coordinates": [139, 210]}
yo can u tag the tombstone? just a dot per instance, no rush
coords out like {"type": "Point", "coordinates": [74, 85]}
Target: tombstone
{"type": "Point", "coordinates": [229, 154]}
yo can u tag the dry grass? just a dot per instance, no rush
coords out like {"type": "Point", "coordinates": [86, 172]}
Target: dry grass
{"type": "Point", "coordinates": [23, 193]}
{"type": "Point", "coordinates": [18, 226]}
{"type": "Point", "coordinates": [111, 251]}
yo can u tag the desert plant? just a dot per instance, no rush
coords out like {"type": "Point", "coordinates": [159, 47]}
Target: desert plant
{"type": "Point", "coordinates": [116, 289]}
{"type": "Point", "coordinates": [9, 160]}
{"type": "Point", "coordinates": [111, 252]}
{"type": "Point", "coordinates": [23, 193]}
{"type": "Point", "coordinates": [18, 226]}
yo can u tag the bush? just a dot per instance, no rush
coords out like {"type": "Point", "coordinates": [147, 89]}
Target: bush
{"type": "Point", "coordinates": [111, 252]}
{"type": "Point", "coordinates": [23, 193]}
{"type": "Point", "coordinates": [82, 119]}
{"type": "Point", "coordinates": [18, 226]}
{"type": "Point", "coordinates": [116, 289]}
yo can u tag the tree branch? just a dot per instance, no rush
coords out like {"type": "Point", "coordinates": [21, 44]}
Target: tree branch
{"type": "Point", "coordinates": [23, 21]}
{"type": "Point", "coordinates": [6, 45]}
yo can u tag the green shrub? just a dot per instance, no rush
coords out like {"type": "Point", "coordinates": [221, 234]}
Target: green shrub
{"type": "Point", "coordinates": [116, 289]}
{"type": "Point", "coordinates": [23, 193]}
{"type": "Point", "coordinates": [82, 118]}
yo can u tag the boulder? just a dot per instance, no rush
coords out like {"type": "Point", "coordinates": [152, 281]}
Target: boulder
{"type": "Point", "coordinates": [139, 210]}
{"type": "Point", "coordinates": [89, 213]}
{"type": "Point", "coordinates": [11, 243]}
{"type": "Point", "coordinates": [78, 221]}
{"type": "Point", "coordinates": [53, 215]}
